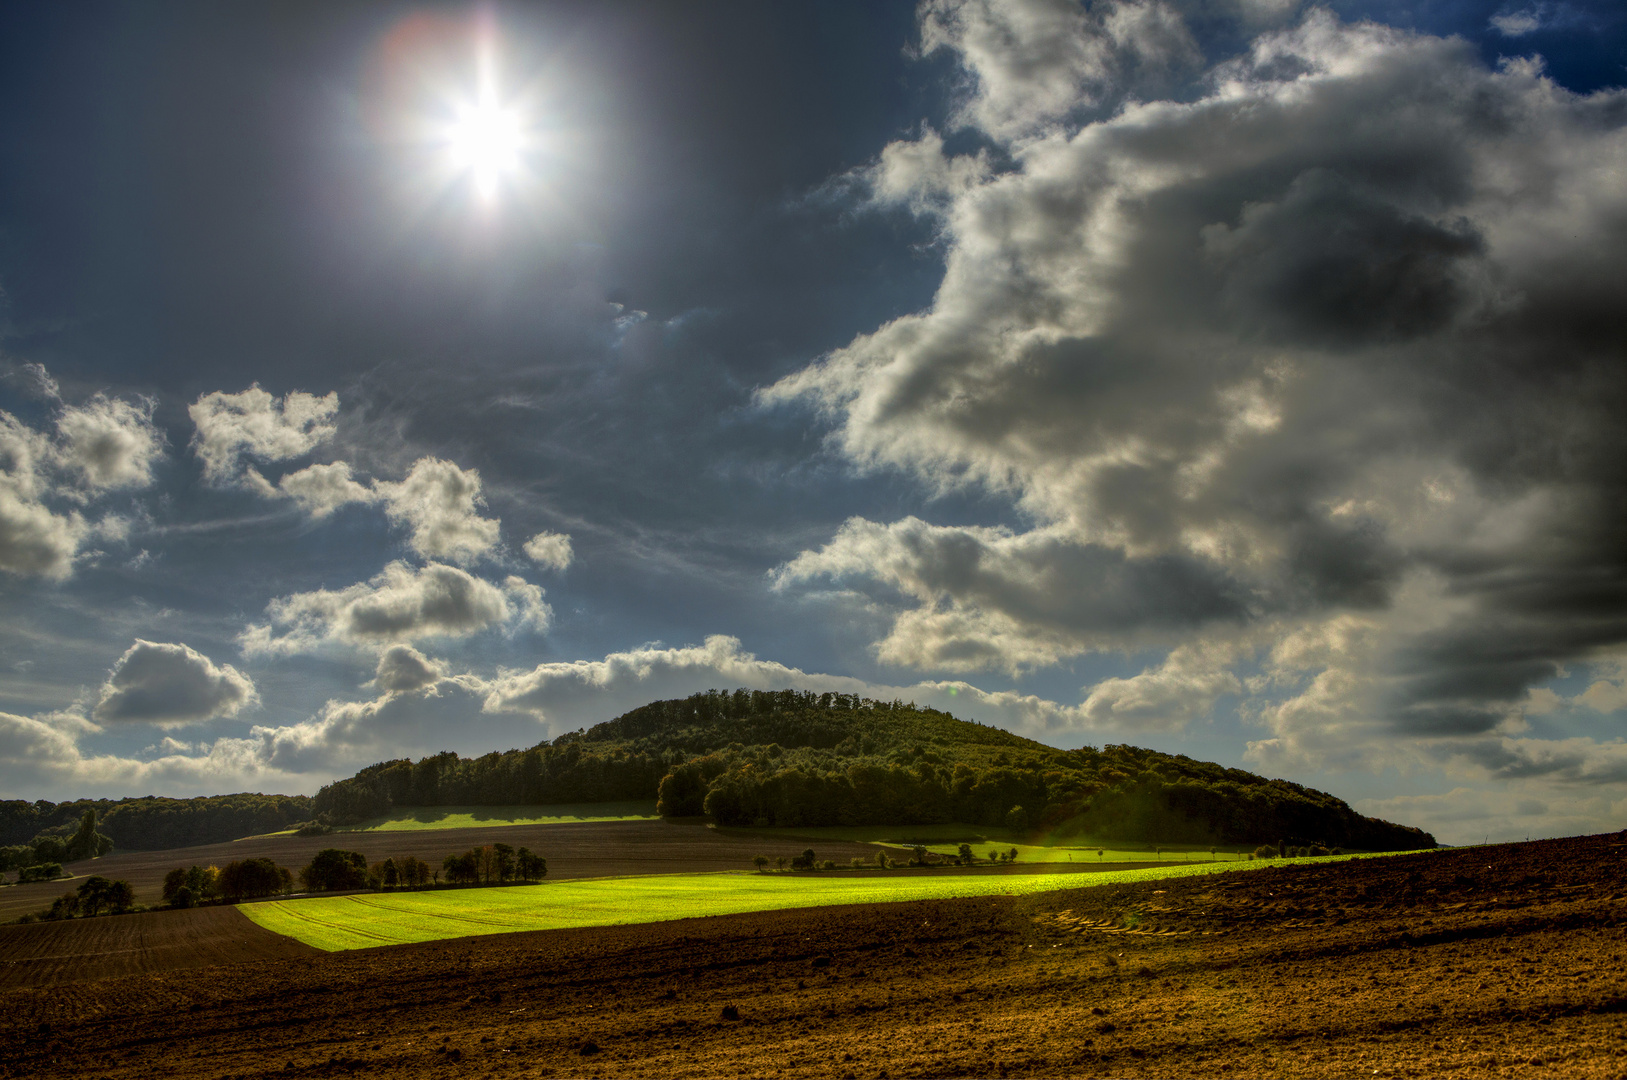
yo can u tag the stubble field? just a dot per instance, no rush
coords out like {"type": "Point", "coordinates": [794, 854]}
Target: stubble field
{"type": "Point", "coordinates": [1496, 961]}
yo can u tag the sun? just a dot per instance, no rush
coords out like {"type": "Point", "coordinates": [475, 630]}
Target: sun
{"type": "Point", "coordinates": [486, 144]}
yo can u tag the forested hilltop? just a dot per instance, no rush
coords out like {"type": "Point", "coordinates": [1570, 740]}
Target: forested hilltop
{"type": "Point", "coordinates": [792, 758]}
{"type": "Point", "coordinates": [150, 823]}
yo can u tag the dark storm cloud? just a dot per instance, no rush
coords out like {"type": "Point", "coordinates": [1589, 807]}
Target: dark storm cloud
{"type": "Point", "coordinates": [1341, 331]}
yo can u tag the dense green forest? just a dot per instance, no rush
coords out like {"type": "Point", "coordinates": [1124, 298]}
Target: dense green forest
{"type": "Point", "coordinates": [150, 823]}
{"type": "Point", "coordinates": [792, 758]}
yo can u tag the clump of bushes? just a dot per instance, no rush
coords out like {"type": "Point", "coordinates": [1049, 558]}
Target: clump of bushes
{"type": "Point", "coordinates": [493, 864]}
{"type": "Point", "coordinates": [49, 871]}
{"type": "Point", "coordinates": [246, 879]}
{"type": "Point", "coordinates": [408, 872]}
{"type": "Point", "coordinates": [186, 887]}
{"type": "Point", "coordinates": [1264, 851]}
{"type": "Point", "coordinates": [334, 870]}
{"type": "Point", "coordinates": [94, 896]}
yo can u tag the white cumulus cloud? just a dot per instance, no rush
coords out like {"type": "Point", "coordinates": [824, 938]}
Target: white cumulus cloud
{"type": "Point", "coordinates": [441, 504]}
{"type": "Point", "coordinates": [104, 445]}
{"type": "Point", "coordinates": [171, 684]}
{"type": "Point", "coordinates": [257, 425]}
{"type": "Point", "coordinates": [402, 603]}
{"type": "Point", "coordinates": [550, 549]}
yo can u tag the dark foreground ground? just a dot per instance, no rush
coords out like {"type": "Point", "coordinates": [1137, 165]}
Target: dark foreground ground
{"type": "Point", "coordinates": [1494, 961]}
{"type": "Point", "coordinates": [591, 849]}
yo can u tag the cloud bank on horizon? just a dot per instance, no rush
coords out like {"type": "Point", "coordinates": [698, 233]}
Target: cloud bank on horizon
{"type": "Point", "coordinates": [1273, 376]}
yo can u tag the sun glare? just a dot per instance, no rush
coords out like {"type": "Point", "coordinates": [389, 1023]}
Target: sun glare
{"type": "Point", "coordinates": [486, 139]}
{"type": "Point", "coordinates": [485, 144]}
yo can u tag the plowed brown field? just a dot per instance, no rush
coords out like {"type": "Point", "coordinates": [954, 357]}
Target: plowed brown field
{"type": "Point", "coordinates": [1493, 961]}
{"type": "Point", "coordinates": [596, 849]}
{"type": "Point", "coordinates": [48, 954]}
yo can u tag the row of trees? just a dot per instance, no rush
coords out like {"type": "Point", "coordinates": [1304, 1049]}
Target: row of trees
{"type": "Point", "coordinates": [336, 870]}
{"type": "Point", "coordinates": [245, 879]}
{"type": "Point", "coordinates": [494, 864]}
{"type": "Point", "coordinates": [95, 896]}
{"type": "Point", "coordinates": [920, 856]}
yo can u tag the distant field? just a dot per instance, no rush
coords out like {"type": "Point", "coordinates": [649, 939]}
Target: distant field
{"type": "Point", "coordinates": [372, 919]}
{"type": "Point", "coordinates": [479, 817]}
{"type": "Point", "coordinates": [1034, 853]}
{"type": "Point", "coordinates": [946, 840]}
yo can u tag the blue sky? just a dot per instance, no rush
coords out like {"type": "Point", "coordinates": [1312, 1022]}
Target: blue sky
{"type": "Point", "coordinates": [1238, 378]}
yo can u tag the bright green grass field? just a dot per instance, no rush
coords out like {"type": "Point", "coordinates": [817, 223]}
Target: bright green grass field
{"type": "Point", "coordinates": [475, 817]}
{"type": "Point", "coordinates": [946, 840]}
{"type": "Point", "coordinates": [366, 920]}
{"type": "Point", "coordinates": [1086, 856]}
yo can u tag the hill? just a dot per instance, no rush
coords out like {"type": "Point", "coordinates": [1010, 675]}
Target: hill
{"type": "Point", "coordinates": [793, 758]}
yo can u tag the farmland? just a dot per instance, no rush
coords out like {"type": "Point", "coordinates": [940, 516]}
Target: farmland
{"type": "Point", "coordinates": [946, 839]}
{"type": "Point", "coordinates": [368, 920]}
{"type": "Point", "coordinates": [1496, 961]}
{"type": "Point", "coordinates": [427, 818]}
{"type": "Point", "coordinates": [79, 950]}
{"type": "Point", "coordinates": [594, 849]}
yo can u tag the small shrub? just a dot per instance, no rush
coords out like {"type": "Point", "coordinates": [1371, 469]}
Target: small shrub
{"type": "Point", "coordinates": [858, 862]}
{"type": "Point", "coordinates": [1318, 849]}
{"type": "Point", "coordinates": [828, 864]}
{"type": "Point", "coordinates": [48, 871]}
{"type": "Point", "coordinates": [1264, 851]}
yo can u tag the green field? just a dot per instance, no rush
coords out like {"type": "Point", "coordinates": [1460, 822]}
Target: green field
{"type": "Point", "coordinates": [1034, 853]}
{"type": "Point", "coordinates": [366, 920]}
{"type": "Point", "coordinates": [946, 840]}
{"type": "Point", "coordinates": [476, 817]}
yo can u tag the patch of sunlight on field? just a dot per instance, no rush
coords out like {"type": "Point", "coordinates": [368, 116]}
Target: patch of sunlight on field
{"type": "Point", "coordinates": [411, 819]}
{"type": "Point", "coordinates": [946, 840]}
{"type": "Point", "coordinates": [366, 920]}
{"type": "Point", "coordinates": [1087, 856]}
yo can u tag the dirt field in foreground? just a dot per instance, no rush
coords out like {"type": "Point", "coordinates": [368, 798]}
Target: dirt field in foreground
{"type": "Point", "coordinates": [593, 849]}
{"type": "Point", "coordinates": [45, 954]}
{"type": "Point", "coordinates": [1496, 961]}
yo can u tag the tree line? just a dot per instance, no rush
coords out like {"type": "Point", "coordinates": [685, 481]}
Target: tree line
{"type": "Point", "coordinates": [338, 870]}
{"type": "Point", "coordinates": [148, 823]}
{"type": "Point", "coordinates": [797, 759]}
{"type": "Point", "coordinates": [42, 859]}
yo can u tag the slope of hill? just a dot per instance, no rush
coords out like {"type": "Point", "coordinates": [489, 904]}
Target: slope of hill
{"type": "Point", "coordinates": [792, 758]}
